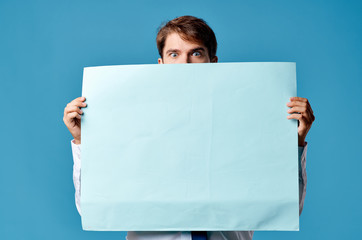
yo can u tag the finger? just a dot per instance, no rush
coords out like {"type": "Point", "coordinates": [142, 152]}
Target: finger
{"type": "Point", "coordinates": [73, 115]}
{"type": "Point", "coordinates": [298, 99]}
{"type": "Point", "coordinates": [295, 116]}
{"type": "Point", "coordinates": [297, 109]}
{"type": "Point", "coordinates": [77, 103]}
{"type": "Point", "coordinates": [73, 108]}
{"type": "Point", "coordinates": [79, 99]}
{"type": "Point", "coordinates": [82, 99]}
{"type": "Point", "coordinates": [303, 118]}
{"type": "Point", "coordinates": [70, 115]}
{"type": "Point", "coordinates": [297, 103]}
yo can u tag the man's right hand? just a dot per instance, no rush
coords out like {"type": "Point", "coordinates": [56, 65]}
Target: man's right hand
{"type": "Point", "coordinates": [72, 116]}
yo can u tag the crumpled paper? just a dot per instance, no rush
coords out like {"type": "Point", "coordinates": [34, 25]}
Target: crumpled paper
{"type": "Point", "coordinates": [181, 147]}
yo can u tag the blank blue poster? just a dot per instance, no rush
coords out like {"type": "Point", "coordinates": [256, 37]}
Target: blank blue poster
{"type": "Point", "coordinates": [189, 147]}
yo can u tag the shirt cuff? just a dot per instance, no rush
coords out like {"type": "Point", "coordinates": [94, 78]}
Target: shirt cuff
{"type": "Point", "coordinates": [76, 150]}
{"type": "Point", "coordinates": [302, 152]}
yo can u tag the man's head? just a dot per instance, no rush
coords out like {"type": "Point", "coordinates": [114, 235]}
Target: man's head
{"type": "Point", "coordinates": [186, 39]}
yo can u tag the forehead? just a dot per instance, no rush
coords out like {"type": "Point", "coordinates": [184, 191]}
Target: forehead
{"type": "Point", "coordinates": [174, 41]}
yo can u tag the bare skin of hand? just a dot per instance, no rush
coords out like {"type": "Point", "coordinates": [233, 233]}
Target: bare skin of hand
{"type": "Point", "coordinates": [72, 117]}
{"type": "Point", "coordinates": [301, 110]}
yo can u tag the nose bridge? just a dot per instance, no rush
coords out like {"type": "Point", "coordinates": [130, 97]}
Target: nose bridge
{"type": "Point", "coordinates": [188, 58]}
{"type": "Point", "coordinates": [185, 58]}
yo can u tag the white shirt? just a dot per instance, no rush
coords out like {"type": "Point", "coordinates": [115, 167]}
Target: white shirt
{"type": "Point", "coordinates": [214, 235]}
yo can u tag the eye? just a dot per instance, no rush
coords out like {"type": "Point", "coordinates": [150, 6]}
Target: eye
{"type": "Point", "coordinates": [173, 55]}
{"type": "Point", "coordinates": [197, 54]}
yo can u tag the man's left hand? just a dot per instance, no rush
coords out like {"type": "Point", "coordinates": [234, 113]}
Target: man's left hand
{"type": "Point", "coordinates": [301, 110]}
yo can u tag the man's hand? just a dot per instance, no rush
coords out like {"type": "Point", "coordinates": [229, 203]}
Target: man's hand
{"type": "Point", "coordinates": [72, 116]}
{"type": "Point", "coordinates": [301, 110]}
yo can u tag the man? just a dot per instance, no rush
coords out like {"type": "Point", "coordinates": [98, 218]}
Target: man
{"type": "Point", "coordinates": [189, 39]}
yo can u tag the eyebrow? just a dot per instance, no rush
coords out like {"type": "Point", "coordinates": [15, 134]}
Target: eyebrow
{"type": "Point", "coordinates": [198, 49]}
{"type": "Point", "coordinates": [172, 50]}
{"type": "Point", "coordinates": [192, 50]}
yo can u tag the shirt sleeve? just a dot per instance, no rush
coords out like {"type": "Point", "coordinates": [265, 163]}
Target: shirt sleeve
{"type": "Point", "coordinates": [302, 154]}
{"type": "Point", "coordinates": [76, 173]}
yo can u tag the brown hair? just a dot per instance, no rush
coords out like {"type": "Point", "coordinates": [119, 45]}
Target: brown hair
{"type": "Point", "coordinates": [190, 29]}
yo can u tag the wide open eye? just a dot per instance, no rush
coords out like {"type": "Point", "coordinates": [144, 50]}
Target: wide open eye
{"type": "Point", "coordinates": [173, 55]}
{"type": "Point", "coordinates": [196, 54]}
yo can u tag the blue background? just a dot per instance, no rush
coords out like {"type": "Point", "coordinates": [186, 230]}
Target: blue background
{"type": "Point", "coordinates": [44, 46]}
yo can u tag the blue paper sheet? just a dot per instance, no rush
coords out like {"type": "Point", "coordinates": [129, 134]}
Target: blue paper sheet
{"type": "Point", "coordinates": [189, 147]}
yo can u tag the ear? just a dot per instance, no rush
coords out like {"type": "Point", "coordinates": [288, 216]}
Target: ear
{"type": "Point", "coordinates": [160, 61]}
{"type": "Point", "coordinates": [214, 59]}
